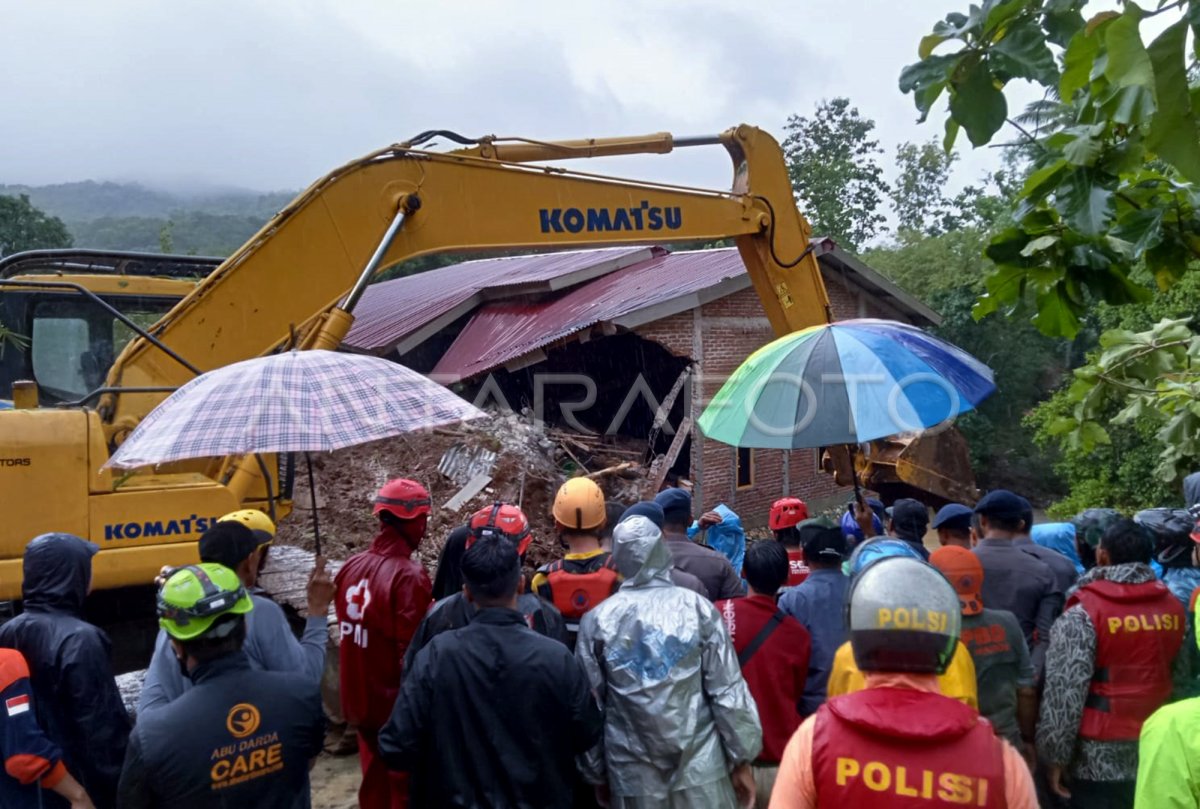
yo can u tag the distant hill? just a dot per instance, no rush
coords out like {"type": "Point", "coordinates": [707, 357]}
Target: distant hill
{"type": "Point", "coordinates": [129, 216]}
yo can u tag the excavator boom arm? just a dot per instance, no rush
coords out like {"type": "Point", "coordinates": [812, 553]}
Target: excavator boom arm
{"type": "Point", "coordinates": [293, 274]}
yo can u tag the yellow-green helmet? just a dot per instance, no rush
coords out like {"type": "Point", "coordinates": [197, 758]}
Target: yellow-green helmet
{"type": "Point", "coordinates": [194, 596]}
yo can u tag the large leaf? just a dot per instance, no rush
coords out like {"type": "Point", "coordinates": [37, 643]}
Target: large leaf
{"type": "Point", "coordinates": [1193, 18]}
{"type": "Point", "coordinates": [1061, 25]}
{"type": "Point", "coordinates": [1085, 204]}
{"type": "Point", "coordinates": [1142, 228]}
{"type": "Point", "coordinates": [1022, 53]}
{"type": "Point", "coordinates": [952, 127]}
{"type": "Point", "coordinates": [926, 79]}
{"type": "Point", "coordinates": [956, 25]}
{"type": "Point", "coordinates": [1173, 132]}
{"type": "Point", "coordinates": [1129, 105]}
{"type": "Point", "coordinates": [1039, 244]}
{"type": "Point", "coordinates": [1045, 179]}
{"type": "Point", "coordinates": [1128, 62]}
{"type": "Point", "coordinates": [1077, 63]}
{"type": "Point", "coordinates": [978, 105]}
{"type": "Point", "coordinates": [998, 12]}
{"type": "Point", "coordinates": [1083, 148]}
{"type": "Point", "coordinates": [1056, 314]}
{"type": "Point", "coordinates": [928, 43]}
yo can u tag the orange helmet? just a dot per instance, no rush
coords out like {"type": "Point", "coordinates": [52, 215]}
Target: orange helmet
{"type": "Point", "coordinates": [788, 512]}
{"type": "Point", "coordinates": [403, 498]}
{"type": "Point", "coordinates": [501, 519]}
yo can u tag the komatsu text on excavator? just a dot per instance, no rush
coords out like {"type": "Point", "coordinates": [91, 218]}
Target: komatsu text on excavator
{"type": "Point", "coordinates": [297, 282]}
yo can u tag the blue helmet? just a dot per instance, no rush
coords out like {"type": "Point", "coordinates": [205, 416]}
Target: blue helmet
{"type": "Point", "coordinates": [853, 532]}
{"type": "Point", "coordinates": [871, 551]}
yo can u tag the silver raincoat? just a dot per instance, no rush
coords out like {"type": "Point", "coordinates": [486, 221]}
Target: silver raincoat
{"type": "Point", "coordinates": [677, 713]}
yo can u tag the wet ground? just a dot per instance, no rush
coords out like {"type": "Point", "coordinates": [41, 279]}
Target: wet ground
{"type": "Point", "coordinates": [335, 782]}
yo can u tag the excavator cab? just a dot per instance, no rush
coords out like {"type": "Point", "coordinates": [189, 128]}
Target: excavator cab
{"type": "Point", "coordinates": [70, 313]}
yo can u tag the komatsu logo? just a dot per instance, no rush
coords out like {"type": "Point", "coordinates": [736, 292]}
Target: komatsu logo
{"type": "Point", "coordinates": [158, 528]}
{"type": "Point", "coordinates": [597, 220]}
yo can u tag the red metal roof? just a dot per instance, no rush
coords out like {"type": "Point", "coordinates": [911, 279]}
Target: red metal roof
{"type": "Point", "coordinates": [502, 332]}
{"type": "Point", "coordinates": [391, 311]}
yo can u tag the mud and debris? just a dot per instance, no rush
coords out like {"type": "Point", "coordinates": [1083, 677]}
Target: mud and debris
{"type": "Point", "coordinates": [531, 460]}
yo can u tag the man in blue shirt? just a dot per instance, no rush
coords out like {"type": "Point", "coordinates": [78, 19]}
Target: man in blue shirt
{"type": "Point", "coordinates": [817, 604]}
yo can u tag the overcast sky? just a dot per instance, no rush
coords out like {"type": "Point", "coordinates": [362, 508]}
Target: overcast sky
{"type": "Point", "coordinates": [271, 94]}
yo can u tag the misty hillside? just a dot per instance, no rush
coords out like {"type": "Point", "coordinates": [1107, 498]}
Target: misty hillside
{"type": "Point", "coordinates": [129, 216]}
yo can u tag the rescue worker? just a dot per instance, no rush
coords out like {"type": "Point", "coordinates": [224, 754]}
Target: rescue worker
{"type": "Point", "coordinates": [70, 663]}
{"type": "Point", "coordinates": [953, 525]}
{"type": "Point", "coordinates": [1107, 670]}
{"type": "Point", "coordinates": [772, 649]}
{"type": "Point", "coordinates": [529, 703]}
{"type": "Point", "coordinates": [1167, 776]}
{"type": "Point", "coordinates": [957, 681]}
{"type": "Point", "coordinates": [456, 611]}
{"type": "Point", "coordinates": [382, 593]}
{"type": "Point", "coordinates": [239, 737]}
{"type": "Point", "coordinates": [711, 567]}
{"type": "Point", "coordinates": [586, 575]}
{"type": "Point", "coordinates": [1012, 579]}
{"type": "Point", "coordinates": [908, 520]}
{"type": "Point", "coordinates": [786, 514]}
{"type": "Point", "coordinates": [680, 727]}
{"type": "Point", "coordinates": [1003, 670]}
{"type": "Point", "coordinates": [1062, 567]}
{"type": "Point", "coordinates": [810, 603]}
{"type": "Point", "coordinates": [653, 512]}
{"type": "Point", "coordinates": [899, 742]}
{"type": "Point", "coordinates": [238, 541]}
{"type": "Point", "coordinates": [31, 765]}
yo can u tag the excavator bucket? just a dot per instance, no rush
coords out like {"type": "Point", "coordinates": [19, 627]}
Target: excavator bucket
{"type": "Point", "coordinates": [934, 468]}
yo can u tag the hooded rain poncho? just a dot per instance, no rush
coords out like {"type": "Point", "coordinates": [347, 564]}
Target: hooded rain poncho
{"type": "Point", "coordinates": [678, 714]}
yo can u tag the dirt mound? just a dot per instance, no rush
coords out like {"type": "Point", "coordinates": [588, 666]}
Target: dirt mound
{"type": "Point", "coordinates": [531, 463]}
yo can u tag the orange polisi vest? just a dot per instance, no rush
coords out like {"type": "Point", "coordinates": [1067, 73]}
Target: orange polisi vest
{"type": "Point", "coordinates": [575, 586]}
{"type": "Point", "coordinates": [900, 748]}
{"type": "Point", "coordinates": [1139, 629]}
{"type": "Point", "coordinates": [797, 568]}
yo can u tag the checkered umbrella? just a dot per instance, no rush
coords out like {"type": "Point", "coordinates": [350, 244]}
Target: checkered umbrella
{"type": "Point", "coordinates": [297, 401]}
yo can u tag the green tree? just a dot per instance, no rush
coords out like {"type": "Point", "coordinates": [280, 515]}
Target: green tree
{"type": "Point", "coordinates": [1110, 213]}
{"type": "Point", "coordinates": [833, 164]}
{"type": "Point", "coordinates": [919, 192]}
{"type": "Point", "coordinates": [24, 227]}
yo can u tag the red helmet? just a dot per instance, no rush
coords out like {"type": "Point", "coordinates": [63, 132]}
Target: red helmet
{"type": "Point", "coordinates": [403, 498]}
{"type": "Point", "coordinates": [501, 519]}
{"type": "Point", "coordinates": [787, 512]}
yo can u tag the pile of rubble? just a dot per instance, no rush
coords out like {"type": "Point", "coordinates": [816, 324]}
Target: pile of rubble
{"type": "Point", "coordinates": [506, 456]}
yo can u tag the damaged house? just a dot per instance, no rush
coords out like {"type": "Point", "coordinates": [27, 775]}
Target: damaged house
{"type": "Point", "coordinates": [602, 341]}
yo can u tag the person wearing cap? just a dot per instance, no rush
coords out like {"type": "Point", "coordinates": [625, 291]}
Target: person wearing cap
{"type": "Point", "coordinates": [956, 681]}
{"type": "Point", "coordinates": [953, 525]}
{"type": "Point", "coordinates": [492, 714]}
{"type": "Point", "coordinates": [680, 728]}
{"type": "Point", "coordinates": [1108, 668]}
{"type": "Point", "coordinates": [654, 513]}
{"type": "Point", "coordinates": [772, 649]}
{"type": "Point", "coordinates": [239, 737]}
{"type": "Point", "coordinates": [1003, 671]}
{"type": "Point", "coordinates": [456, 611]}
{"type": "Point", "coordinates": [382, 594]}
{"type": "Point", "coordinates": [270, 644]}
{"type": "Point", "coordinates": [32, 772]}
{"type": "Point", "coordinates": [785, 515]}
{"type": "Point", "coordinates": [908, 520]}
{"type": "Point", "coordinates": [585, 575]}
{"type": "Point", "coordinates": [1062, 567]}
{"type": "Point", "coordinates": [1013, 580]}
{"type": "Point", "coordinates": [70, 665]}
{"type": "Point", "coordinates": [709, 566]}
{"type": "Point", "coordinates": [898, 742]}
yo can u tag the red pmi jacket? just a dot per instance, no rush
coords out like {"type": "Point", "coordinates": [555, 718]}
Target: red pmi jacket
{"type": "Point", "coordinates": [776, 672]}
{"type": "Point", "coordinates": [1139, 628]}
{"type": "Point", "coordinates": [382, 595]}
{"type": "Point", "coordinates": [901, 748]}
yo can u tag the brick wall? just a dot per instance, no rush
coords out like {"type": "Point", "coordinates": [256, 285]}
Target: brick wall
{"type": "Point", "coordinates": [730, 329]}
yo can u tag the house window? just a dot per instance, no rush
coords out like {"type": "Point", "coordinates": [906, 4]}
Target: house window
{"type": "Point", "coordinates": [745, 467]}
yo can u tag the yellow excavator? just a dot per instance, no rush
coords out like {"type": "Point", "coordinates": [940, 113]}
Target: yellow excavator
{"type": "Point", "coordinates": [297, 282]}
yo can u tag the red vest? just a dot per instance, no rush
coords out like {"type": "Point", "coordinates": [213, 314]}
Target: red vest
{"type": "Point", "coordinates": [1139, 628]}
{"type": "Point", "coordinates": [797, 568]}
{"type": "Point", "coordinates": [896, 748]}
{"type": "Point", "coordinates": [577, 585]}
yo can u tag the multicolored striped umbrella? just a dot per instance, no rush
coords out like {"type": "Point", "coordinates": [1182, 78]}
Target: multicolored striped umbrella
{"type": "Point", "coordinates": [845, 383]}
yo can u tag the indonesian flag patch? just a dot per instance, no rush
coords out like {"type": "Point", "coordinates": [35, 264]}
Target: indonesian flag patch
{"type": "Point", "coordinates": [17, 705]}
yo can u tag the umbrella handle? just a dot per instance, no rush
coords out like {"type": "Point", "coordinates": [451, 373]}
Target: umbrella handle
{"type": "Point", "coordinates": [312, 494]}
